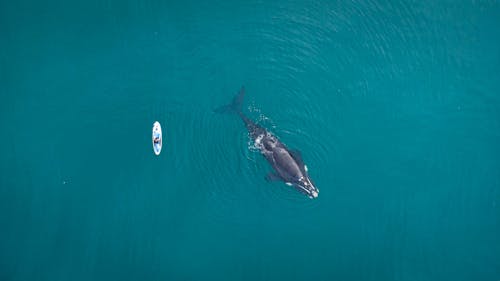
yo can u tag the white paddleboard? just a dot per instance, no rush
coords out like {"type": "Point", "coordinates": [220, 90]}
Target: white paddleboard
{"type": "Point", "coordinates": [158, 136]}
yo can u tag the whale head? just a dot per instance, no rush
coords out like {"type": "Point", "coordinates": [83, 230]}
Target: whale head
{"type": "Point", "coordinates": [306, 186]}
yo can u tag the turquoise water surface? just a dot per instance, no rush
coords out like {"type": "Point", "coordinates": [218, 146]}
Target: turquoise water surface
{"type": "Point", "coordinates": [394, 106]}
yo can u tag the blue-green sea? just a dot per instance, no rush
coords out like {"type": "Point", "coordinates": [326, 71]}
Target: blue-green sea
{"type": "Point", "coordinates": [394, 105]}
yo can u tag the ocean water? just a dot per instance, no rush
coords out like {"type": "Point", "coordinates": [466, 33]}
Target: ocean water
{"type": "Point", "coordinates": [394, 106]}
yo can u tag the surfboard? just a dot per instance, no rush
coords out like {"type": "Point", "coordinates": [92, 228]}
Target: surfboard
{"type": "Point", "coordinates": [157, 134]}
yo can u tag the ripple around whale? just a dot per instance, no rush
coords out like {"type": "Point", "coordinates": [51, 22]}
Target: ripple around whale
{"type": "Point", "coordinates": [219, 144]}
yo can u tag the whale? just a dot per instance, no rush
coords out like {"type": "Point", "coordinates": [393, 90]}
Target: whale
{"type": "Point", "coordinates": [287, 164]}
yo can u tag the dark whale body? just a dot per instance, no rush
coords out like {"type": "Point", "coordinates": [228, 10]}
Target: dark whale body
{"type": "Point", "coordinates": [287, 164]}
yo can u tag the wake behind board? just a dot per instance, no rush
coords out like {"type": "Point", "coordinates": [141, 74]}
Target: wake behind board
{"type": "Point", "coordinates": [157, 138]}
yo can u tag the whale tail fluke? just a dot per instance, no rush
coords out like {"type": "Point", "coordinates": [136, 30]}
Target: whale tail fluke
{"type": "Point", "coordinates": [235, 105]}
